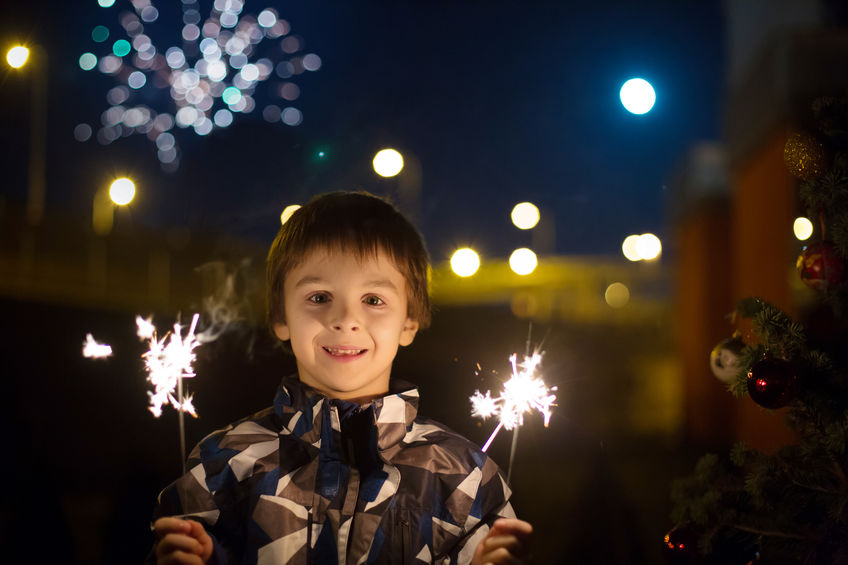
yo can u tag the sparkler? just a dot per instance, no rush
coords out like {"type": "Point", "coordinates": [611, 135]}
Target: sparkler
{"type": "Point", "coordinates": [94, 350]}
{"type": "Point", "coordinates": [168, 361]}
{"type": "Point", "coordinates": [522, 393]}
{"type": "Point", "coordinates": [217, 69]}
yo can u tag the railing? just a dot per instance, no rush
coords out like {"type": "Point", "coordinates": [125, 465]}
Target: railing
{"type": "Point", "coordinates": [136, 269]}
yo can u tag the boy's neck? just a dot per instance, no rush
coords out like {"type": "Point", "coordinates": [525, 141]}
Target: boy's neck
{"type": "Point", "coordinates": [361, 400]}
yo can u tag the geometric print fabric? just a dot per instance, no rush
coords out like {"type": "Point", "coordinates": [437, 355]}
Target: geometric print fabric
{"type": "Point", "coordinates": [315, 480]}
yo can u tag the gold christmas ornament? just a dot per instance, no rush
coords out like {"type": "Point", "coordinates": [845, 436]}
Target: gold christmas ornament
{"type": "Point", "coordinates": [804, 156]}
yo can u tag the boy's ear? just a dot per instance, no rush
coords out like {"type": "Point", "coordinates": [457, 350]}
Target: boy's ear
{"type": "Point", "coordinates": [407, 333]}
{"type": "Point", "coordinates": [282, 332]}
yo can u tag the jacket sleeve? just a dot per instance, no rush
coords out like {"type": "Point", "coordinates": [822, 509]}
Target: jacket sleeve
{"type": "Point", "coordinates": [198, 495]}
{"type": "Point", "coordinates": [491, 501]}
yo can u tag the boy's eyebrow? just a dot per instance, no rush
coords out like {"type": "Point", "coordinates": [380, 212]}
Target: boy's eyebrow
{"type": "Point", "coordinates": [384, 283]}
{"type": "Point", "coordinates": [308, 280]}
{"type": "Point", "coordinates": [311, 279]}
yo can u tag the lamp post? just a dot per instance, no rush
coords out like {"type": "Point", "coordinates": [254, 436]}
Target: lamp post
{"type": "Point", "coordinates": [35, 58]}
{"type": "Point", "coordinates": [120, 193]}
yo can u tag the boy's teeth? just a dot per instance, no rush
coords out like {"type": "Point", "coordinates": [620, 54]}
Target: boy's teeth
{"type": "Point", "coordinates": [339, 351]}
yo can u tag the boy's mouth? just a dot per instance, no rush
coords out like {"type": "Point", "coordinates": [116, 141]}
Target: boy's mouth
{"type": "Point", "coordinates": [344, 351]}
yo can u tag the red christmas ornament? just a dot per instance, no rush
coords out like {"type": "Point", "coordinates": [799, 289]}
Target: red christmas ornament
{"type": "Point", "coordinates": [820, 266]}
{"type": "Point", "coordinates": [772, 382]}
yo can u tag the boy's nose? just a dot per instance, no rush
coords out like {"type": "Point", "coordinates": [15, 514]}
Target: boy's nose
{"type": "Point", "coordinates": [344, 319]}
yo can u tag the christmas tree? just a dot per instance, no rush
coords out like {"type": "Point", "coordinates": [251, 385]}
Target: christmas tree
{"type": "Point", "coordinates": [789, 506]}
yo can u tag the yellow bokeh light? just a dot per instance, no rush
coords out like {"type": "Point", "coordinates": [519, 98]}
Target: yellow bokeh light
{"type": "Point", "coordinates": [525, 215]}
{"type": "Point", "coordinates": [122, 191]}
{"type": "Point", "coordinates": [648, 246]}
{"type": "Point", "coordinates": [465, 262]}
{"type": "Point", "coordinates": [287, 212]}
{"type": "Point", "coordinates": [617, 295]}
{"type": "Point", "coordinates": [17, 56]}
{"type": "Point", "coordinates": [803, 228]}
{"type": "Point", "coordinates": [629, 248]}
{"type": "Point", "coordinates": [388, 162]}
{"type": "Point", "coordinates": [523, 261]}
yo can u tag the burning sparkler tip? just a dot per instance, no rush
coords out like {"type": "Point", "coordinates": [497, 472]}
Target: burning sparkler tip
{"type": "Point", "coordinates": [523, 392]}
{"type": "Point", "coordinates": [94, 350]}
{"type": "Point", "coordinates": [146, 329]}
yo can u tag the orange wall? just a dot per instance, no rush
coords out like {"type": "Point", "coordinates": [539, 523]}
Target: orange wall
{"type": "Point", "coordinates": [703, 302]}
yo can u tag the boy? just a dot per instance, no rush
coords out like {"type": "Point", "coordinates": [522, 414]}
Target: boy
{"type": "Point", "coordinates": [340, 469]}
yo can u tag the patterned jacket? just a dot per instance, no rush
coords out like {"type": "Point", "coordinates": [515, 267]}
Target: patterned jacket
{"type": "Point", "coordinates": [314, 480]}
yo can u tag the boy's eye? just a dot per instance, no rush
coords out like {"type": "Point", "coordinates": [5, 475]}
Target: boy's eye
{"type": "Point", "coordinates": [319, 298]}
{"type": "Point", "coordinates": [374, 301]}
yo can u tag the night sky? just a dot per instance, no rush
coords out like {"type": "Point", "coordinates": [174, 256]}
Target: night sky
{"type": "Point", "coordinates": [499, 102]}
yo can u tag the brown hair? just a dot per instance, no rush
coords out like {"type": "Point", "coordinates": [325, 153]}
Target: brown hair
{"type": "Point", "coordinates": [354, 222]}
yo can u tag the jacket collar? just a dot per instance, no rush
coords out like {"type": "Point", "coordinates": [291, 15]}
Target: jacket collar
{"type": "Point", "coordinates": [301, 410]}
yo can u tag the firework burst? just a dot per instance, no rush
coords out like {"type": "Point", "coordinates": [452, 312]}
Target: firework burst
{"type": "Point", "coordinates": [216, 68]}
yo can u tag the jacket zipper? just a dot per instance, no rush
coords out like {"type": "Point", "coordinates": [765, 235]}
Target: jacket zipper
{"type": "Point", "coordinates": [406, 543]}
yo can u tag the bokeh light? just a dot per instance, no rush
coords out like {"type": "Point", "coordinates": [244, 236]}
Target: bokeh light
{"type": "Point", "coordinates": [617, 295]}
{"type": "Point", "coordinates": [287, 212]}
{"type": "Point", "coordinates": [638, 96]}
{"type": "Point", "coordinates": [223, 118]}
{"type": "Point", "coordinates": [802, 228]}
{"type": "Point", "coordinates": [311, 62]}
{"type": "Point", "coordinates": [387, 162]}
{"type": "Point", "coordinates": [291, 116]}
{"type": "Point", "coordinates": [629, 248]}
{"type": "Point", "coordinates": [87, 61]}
{"type": "Point", "coordinates": [100, 34]}
{"type": "Point", "coordinates": [231, 95]}
{"type": "Point", "coordinates": [525, 215]}
{"type": "Point", "coordinates": [122, 191]}
{"type": "Point", "coordinates": [17, 56]}
{"type": "Point", "coordinates": [199, 76]}
{"type": "Point", "coordinates": [82, 132]}
{"type": "Point", "coordinates": [136, 80]}
{"type": "Point", "coordinates": [465, 262]}
{"type": "Point", "coordinates": [645, 247]}
{"type": "Point", "coordinates": [523, 261]}
{"type": "Point", "coordinates": [121, 48]}
{"type": "Point", "coordinates": [648, 246]}
{"type": "Point", "coordinates": [106, 3]}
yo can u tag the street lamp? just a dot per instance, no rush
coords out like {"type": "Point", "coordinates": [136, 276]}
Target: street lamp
{"type": "Point", "coordinates": [465, 262]}
{"type": "Point", "coordinates": [388, 162]}
{"type": "Point", "coordinates": [523, 261]}
{"type": "Point", "coordinates": [17, 57]}
{"type": "Point", "coordinates": [120, 193]}
{"type": "Point", "coordinates": [525, 215]}
{"type": "Point", "coordinates": [645, 247]}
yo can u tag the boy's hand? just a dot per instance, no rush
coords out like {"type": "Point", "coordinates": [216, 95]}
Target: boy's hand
{"type": "Point", "coordinates": [181, 542]}
{"type": "Point", "coordinates": [507, 543]}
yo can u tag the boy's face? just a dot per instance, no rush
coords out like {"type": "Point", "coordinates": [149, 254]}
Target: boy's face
{"type": "Point", "coordinates": [345, 319]}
